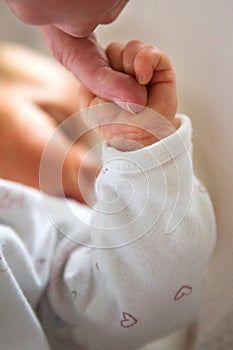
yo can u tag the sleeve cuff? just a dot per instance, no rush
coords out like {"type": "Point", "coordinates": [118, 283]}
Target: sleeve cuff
{"type": "Point", "coordinates": [150, 157]}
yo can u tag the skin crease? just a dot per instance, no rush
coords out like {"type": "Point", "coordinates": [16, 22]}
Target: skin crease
{"type": "Point", "coordinates": [152, 68]}
{"type": "Point", "coordinates": [82, 14]}
{"type": "Point", "coordinates": [67, 27]}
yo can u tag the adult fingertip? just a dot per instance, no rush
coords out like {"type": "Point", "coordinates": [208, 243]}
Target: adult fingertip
{"type": "Point", "coordinates": [132, 98]}
{"type": "Point", "coordinates": [132, 108]}
{"type": "Point", "coordinates": [135, 108]}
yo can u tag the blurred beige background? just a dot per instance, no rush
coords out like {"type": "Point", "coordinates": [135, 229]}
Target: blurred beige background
{"type": "Point", "coordinates": [11, 29]}
{"type": "Point", "coordinates": [197, 35]}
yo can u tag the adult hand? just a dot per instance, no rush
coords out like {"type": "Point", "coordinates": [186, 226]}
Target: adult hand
{"type": "Point", "coordinates": [67, 28]}
{"type": "Point", "coordinates": [37, 94]}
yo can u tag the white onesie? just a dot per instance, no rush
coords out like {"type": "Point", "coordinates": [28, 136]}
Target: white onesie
{"type": "Point", "coordinates": [117, 276]}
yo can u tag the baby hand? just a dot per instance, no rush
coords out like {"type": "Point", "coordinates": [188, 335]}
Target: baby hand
{"type": "Point", "coordinates": [152, 68]}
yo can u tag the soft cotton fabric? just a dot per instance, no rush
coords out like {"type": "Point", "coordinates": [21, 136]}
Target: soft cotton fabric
{"type": "Point", "coordinates": [116, 276]}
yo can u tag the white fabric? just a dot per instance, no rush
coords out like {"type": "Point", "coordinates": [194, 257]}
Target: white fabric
{"type": "Point", "coordinates": [197, 36]}
{"type": "Point", "coordinates": [128, 271]}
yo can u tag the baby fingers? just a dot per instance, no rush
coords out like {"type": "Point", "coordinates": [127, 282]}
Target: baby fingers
{"type": "Point", "coordinates": [114, 54]}
{"type": "Point", "coordinates": [142, 61]}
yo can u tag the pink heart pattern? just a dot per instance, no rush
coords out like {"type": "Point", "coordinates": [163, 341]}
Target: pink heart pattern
{"type": "Point", "coordinates": [128, 320]}
{"type": "Point", "coordinates": [40, 265]}
{"type": "Point", "coordinates": [182, 292]}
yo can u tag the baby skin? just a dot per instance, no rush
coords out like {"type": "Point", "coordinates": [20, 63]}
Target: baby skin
{"type": "Point", "coordinates": [139, 279]}
{"type": "Point", "coordinates": [37, 95]}
{"type": "Point", "coordinates": [153, 69]}
{"type": "Point", "coordinates": [131, 268]}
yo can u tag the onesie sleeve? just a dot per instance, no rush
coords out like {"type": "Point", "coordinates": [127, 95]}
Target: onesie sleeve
{"type": "Point", "coordinates": [152, 232]}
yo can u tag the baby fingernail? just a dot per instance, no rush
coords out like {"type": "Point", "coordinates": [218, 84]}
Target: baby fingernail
{"type": "Point", "coordinates": [140, 79]}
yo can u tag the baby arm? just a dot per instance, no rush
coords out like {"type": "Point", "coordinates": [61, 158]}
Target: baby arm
{"type": "Point", "coordinates": [36, 97]}
{"type": "Point", "coordinates": [152, 229]}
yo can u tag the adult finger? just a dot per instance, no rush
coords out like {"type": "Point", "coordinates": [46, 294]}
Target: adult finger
{"type": "Point", "coordinates": [89, 63]}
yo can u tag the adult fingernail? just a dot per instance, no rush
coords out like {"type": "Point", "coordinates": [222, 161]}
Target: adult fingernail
{"type": "Point", "coordinates": [134, 108]}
